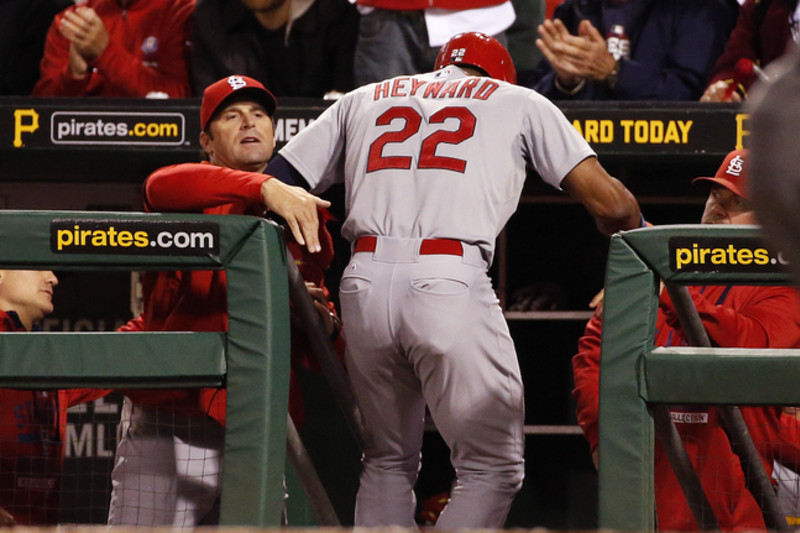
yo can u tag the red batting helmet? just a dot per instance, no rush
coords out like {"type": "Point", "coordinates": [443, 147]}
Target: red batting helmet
{"type": "Point", "coordinates": [475, 49]}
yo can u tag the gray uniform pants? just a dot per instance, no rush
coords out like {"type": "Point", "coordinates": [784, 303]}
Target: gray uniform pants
{"type": "Point", "coordinates": [167, 469]}
{"type": "Point", "coordinates": [428, 329]}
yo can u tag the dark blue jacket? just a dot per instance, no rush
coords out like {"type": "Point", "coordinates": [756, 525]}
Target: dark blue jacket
{"type": "Point", "coordinates": [674, 44]}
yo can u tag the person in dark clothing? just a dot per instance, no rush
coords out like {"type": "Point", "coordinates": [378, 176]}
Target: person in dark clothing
{"type": "Point", "coordinates": [294, 47]}
{"type": "Point", "coordinates": [24, 28]}
{"type": "Point", "coordinates": [631, 49]}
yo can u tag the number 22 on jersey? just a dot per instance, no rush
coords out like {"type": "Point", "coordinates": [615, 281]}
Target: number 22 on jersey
{"type": "Point", "coordinates": [411, 122]}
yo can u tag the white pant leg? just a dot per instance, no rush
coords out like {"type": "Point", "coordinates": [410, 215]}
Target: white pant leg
{"type": "Point", "coordinates": [389, 397]}
{"type": "Point", "coordinates": [433, 324]}
{"type": "Point", "coordinates": [143, 479]}
{"type": "Point", "coordinates": [465, 359]}
{"type": "Point", "coordinates": [167, 469]}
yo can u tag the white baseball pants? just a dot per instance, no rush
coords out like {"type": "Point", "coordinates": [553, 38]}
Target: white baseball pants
{"type": "Point", "coordinates": [428, 329]}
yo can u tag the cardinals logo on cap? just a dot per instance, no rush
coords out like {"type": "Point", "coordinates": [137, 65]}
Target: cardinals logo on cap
{"type": "Point", "coordinates": [236, 82]}
{"type": "Point", "coordinates": [735, 166]}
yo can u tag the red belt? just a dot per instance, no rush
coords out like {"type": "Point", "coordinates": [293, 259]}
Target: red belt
{"type": "Point", "coordinates": [427, 247]}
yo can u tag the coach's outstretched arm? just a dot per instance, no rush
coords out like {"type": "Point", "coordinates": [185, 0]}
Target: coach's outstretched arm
{"type": "Point", "coordinates": [612, 205]}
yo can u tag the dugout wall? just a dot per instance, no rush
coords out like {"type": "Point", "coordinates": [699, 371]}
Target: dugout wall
{"type": "Point", "coordinates": [634, 374]}
{"type": "Point", "coordinates": [251, 360]}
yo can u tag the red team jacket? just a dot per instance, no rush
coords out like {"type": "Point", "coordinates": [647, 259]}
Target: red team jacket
{"type": "Point", "coordinates": [147, 51]}
{"type": "Point", "coordinates": [734, 316]}
{"type": "Point", "coordinates": [32, 433]}
{"type": "Point", "coordinates": [196, 300]}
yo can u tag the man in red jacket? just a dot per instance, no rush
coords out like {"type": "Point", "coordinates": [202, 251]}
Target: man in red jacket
{"type": "Point", "coordinates": [734, 316]}
{"type": "Point", "coordinates": [130, 48]}
{"type": "Point", "coordinates": [32, 423]}
{"type": "Point", "coordinates": [168, 462]}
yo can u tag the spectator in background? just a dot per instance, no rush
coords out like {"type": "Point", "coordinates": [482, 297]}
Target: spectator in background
{"type": "Point", "coordinates": [734, 316]}
{"type": "Point", "coordinates": [529, 15]}
{"type": "Point", "coordinates": [631, 49]}
{"type": "Point", "coordinates": [293, 47]}
{"type": "Point", "coordinates": [764, 31]}
{"type": "Point", "coordinates": [128, 48]}
{"type": "Point", "coordinates": [32, 422]}
{"type": "Point", "coordinates": [398, 37]}
{"type": "Point", "coordinates": [23, 28]}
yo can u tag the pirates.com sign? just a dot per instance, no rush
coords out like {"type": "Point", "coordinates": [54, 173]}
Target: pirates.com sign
{"type": "Point", "coordinates": [723, 254]}
{"type": "Point", "coordinates": [138, 237]}
{"type": "Point", "coordinates": [92, 128]}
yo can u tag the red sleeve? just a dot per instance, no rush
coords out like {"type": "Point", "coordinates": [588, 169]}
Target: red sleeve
{"type": "Point", "coordinates": [130, 77]}
{"type": "Point", "coordinates": [586, 372]}
{"type": "Point", "coordinates": [192, 187]}
{"type": "Point", "coordinates": [770, 318]}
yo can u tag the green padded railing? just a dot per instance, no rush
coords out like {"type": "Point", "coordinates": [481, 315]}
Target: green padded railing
{"type": "Point", "coordinates": [251, 359]}
{"type": "Point", "coordinates": [634, 373]}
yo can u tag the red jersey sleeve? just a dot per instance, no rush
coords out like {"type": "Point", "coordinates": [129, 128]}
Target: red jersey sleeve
{"type": "Point", "coordinates": [770, 317]}
{"type": "Point", "coordinates": [192, 187]}
{"type": "Point", "coordinates": [586, 372]}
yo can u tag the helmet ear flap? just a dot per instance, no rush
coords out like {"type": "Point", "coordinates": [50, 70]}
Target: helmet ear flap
{"type": "Point", "coordinates": [478, 50]}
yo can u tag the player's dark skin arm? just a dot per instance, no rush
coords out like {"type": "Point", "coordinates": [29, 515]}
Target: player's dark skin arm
{"type": "Point", "coordinates": [612, 205]}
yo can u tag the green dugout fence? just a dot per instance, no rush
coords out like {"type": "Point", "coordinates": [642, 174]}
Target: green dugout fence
{"type": "Point", "coordinates": [636, 376]}
{"type": "Point", "coordinates": [251, 359]}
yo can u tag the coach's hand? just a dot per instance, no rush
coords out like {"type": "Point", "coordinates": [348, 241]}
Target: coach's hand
{"type": "Point", "coordinates": [298, 207]}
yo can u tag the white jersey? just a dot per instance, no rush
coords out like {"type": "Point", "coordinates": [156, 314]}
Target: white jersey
{"type": "Point", "coordinates": [438, 155]}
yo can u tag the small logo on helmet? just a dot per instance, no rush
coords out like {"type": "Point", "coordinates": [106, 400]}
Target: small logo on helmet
{"type": "Point", "coordinates": [236, 82]}
{"type": "Point", "coordinates": [457, 54]}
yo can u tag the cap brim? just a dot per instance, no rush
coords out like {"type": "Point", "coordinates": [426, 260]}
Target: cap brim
{"type": "Point", "coordinates": [725, 183]}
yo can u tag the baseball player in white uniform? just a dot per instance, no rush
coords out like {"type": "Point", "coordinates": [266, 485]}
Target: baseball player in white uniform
{"type": "Point", "coordinates": [433, 167]}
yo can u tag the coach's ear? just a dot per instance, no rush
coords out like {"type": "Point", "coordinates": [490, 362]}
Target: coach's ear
{"type": "Point", "coordinates": [205, 143]}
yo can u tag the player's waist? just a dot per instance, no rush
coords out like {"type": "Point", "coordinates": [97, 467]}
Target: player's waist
{"type": "Point", "coordinates": [409, 250]}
